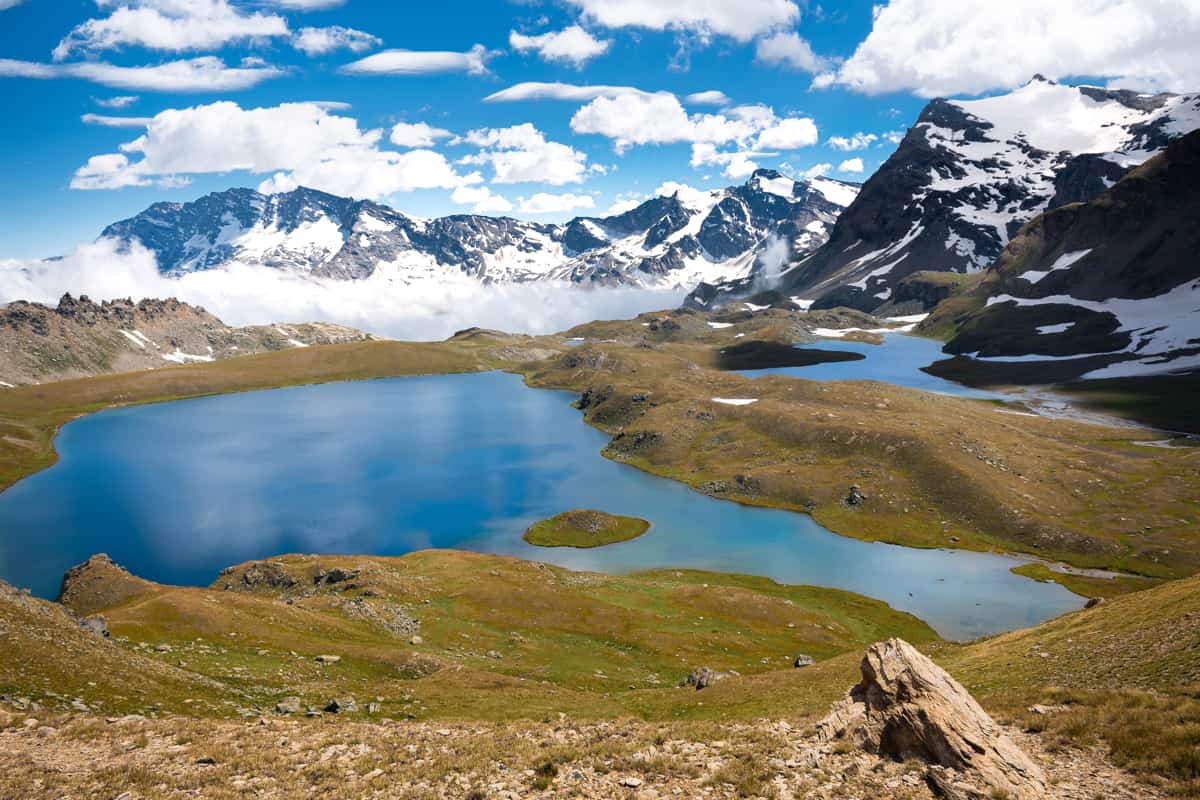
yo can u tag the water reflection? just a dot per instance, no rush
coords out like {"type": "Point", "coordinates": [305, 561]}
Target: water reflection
{"type": "Point", "coordinates": [179, 490]}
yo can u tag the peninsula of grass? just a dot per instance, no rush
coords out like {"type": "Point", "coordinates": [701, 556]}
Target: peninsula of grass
{"type": "Point", "coordinates": [585, 528]}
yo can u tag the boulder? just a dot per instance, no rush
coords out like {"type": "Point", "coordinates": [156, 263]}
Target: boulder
{"type": "Point", "coordinates": [288, 705]}
{"type": "Point", "coordinates": [908, 707]}
{"type": "Point", "coordinates": [855, 497]}
{"type": "Point", "coordinates": [704, 677]}
{"type": "Point", "coordinates": [342, 705]}
{"type": "Point", "coordinates": [95, 624]}
{"type": "Point", "coordinates": [803, 661]}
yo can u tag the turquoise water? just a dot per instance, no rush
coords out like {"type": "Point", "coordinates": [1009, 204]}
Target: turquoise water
{"type": "Point", "coordinates": [177, 491]}
{"type": "Point", "coordinates": [897, 360]}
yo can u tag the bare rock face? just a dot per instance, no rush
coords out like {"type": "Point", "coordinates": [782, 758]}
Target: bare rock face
{"type": "Point", "coordinates": [908, 707]}
{"type": "Point", "coordinates": [97, 584]}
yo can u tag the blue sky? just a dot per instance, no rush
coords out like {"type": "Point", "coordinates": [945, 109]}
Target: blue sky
{"type": "Point", "coordinates": [799, 81]}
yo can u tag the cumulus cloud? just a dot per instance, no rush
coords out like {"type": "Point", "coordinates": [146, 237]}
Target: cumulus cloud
{"type": "Point", "coordinates": [789, 50]}
{"type": "Point", "coordinates": [422, 62]}
{"type": "Point", "coordinates": [120, 101]}
{"type": "Point", "coordinates": [572, 45]}
{"type": "Point", "coordinates": [742, 20]}
{"type": "Point", "coordinates": [417, 134]}
{"type": "Point", "coordinates": [173, 25]}
{"type": "Point", "coordinates": [536, 90]}
{"type": "Point", "coordinates": [246, 295]}
{"type": "Point", "coordinates": [859, 141]}
{"type": "Point", "coordinates": [660, 119]}
{"type": "Point", "coordinates": [817, 170]}
{"type": "Point", "coordinates": [792, 133]}
{"type": "Point", "coordinates": [115, 122]}
{"type": "Point", "coordinates": [894, 137]}
{"type": "Point", "coordinates": [851, 165]}
{"type": "Point", "coordinates": [973, 46]}
{"type": "Point", "coordinates": [318, 41]}
{"type": "Point", "coordinates": [712, 97]}
{"type": "Point", "coordinates": [522, 154]}
{"type": "Point", "coordinates": [735, 164]}
{"type": "Point", "coordinates": [301, 143]}
{"type": "Point", "coordinates": [7, 4]}
{"type": "Point", "coordinates": [545, 203]}
{"type": "Point", "coordinates": [203, 74]}
{"type": "Point", "coordinates": [481, 199]}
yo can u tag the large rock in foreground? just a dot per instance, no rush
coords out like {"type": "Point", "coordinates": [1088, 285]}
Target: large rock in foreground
{"type": "Point", "coordinates": [908, 707]}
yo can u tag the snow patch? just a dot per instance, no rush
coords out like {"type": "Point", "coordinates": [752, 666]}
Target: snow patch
{"type": "Point", "coordinates": [735, 401]}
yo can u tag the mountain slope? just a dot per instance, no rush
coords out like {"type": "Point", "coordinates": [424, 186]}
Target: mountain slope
{"type": "Point", "coordinates": [665, 242]}
{"type": "Point", "coordinates": [80, 337]}
{"type": "Point", "coordinates": [1105, 289]}
{"type": "Point", "coordinates": [969, 173]}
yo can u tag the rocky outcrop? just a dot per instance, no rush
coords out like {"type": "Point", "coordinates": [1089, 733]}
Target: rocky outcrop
{"type": "Point", "coordinates": [704, 677]}
{"type": "Point", "coordinates": [1091, 290]}
{"type": "Point", "coordinates": [907, 707]}
{"type": "Point", "coordinates": [97, 584]}
{"type": "Point", "coordinates": [80, 337]}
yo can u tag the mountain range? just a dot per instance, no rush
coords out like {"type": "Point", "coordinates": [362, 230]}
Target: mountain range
{"type": "Point", "coordinates": [970, 173]}
{"type": "Point", "coordinates": [667, 241]}
{"type": "Point", "coordinates": [1104, 289]}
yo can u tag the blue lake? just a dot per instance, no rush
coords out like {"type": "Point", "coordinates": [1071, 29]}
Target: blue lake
{"type": "Point", "coordinates": [177, 491]}
{"type": "Point", "coordinates": [897, 360]}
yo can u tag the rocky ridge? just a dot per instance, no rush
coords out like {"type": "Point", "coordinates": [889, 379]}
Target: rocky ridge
{"type": "Point", "coordinates": [80, 337]}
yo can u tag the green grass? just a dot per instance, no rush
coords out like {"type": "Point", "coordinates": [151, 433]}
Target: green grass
{"type": "Point", "coordinates": [585, 528]}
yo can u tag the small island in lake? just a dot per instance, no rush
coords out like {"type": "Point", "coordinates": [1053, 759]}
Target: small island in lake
{"type": "Point", "coordinates": [585, 528]}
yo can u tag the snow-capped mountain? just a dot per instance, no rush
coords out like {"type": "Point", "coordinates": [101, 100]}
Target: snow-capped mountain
{"type": "Point", "coordinates": [970, 173]}
{"type": "Point", "coordinates": [674, 241]}
{"type": "Point", "coordinates": [1108, 288]}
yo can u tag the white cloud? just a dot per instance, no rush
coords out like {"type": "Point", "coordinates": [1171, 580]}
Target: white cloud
{"type": "Point", "coordinates": [894, 137]}
{"type": "Point", "coordinates": [301, 143]}
{"type": "Point", "coordinates": [817, 170]}
{"type": "Point", "coordinates": [120, 101]}
{"type": "Point", "coordinates": [789, 50]}
{"type": "Point", "coordinates": [712, 97]}
{"type": "Point", "coordinates": [417, 134]}
{"type": "Point", "coordinates": [660, 119]}
{"type": "Point", "coordinates": [245, 295]}
{"type": "Point", "coordinates": [7, 4]}
{"type": "Point", "coordinates": [422, 62]}
{"type": "Point", "coordinates": [935, 49]}
{"type": "Point", "coordinates": [742, 20]}
{"type": "Point", "coordinates": [521, 154]}
{"type": "Point", "coordinates": [859, 141]}
{"type": "Point", "coordinates": [571, 45]}
{"type": "Point", "coordinates": [173, 25]}
{"type": "Point", "coordinates": [115, 122]}
{"type": "Point", "coordinates": [203, 74]}
{"type": "Point", "coordinates": [481, 199]}
{"type": "Point", "coordinates": [735, 164]}
{"type": "Point", "coordinates": [318, 41]}
{"type": "Point", "coordinates": [543, 203]}
{"type": "Point", "coordinates": [534, 90]}
{"type": "Point", "coordinates": [852, 165]}
{"type": "Point", "coordinates": [625, 202]}
{"type": "Point", "coordinates": [789, 134]}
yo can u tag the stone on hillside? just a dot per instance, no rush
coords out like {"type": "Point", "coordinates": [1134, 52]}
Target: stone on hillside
{"type": "Point", "coordinates": [326, 659]}
{"type": "Point", "coordinates": [342, 705]}
{"type": "Point", "coordinates": [908, 707]}
{"type": "Point", "coordinates": [288, 705]}
{"type": "Point", "coordinates": [95, 624]}
{"type": "Point", "coordinates": [704, 677]}
{"type": "Point", "coordinates": [803, 661]}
